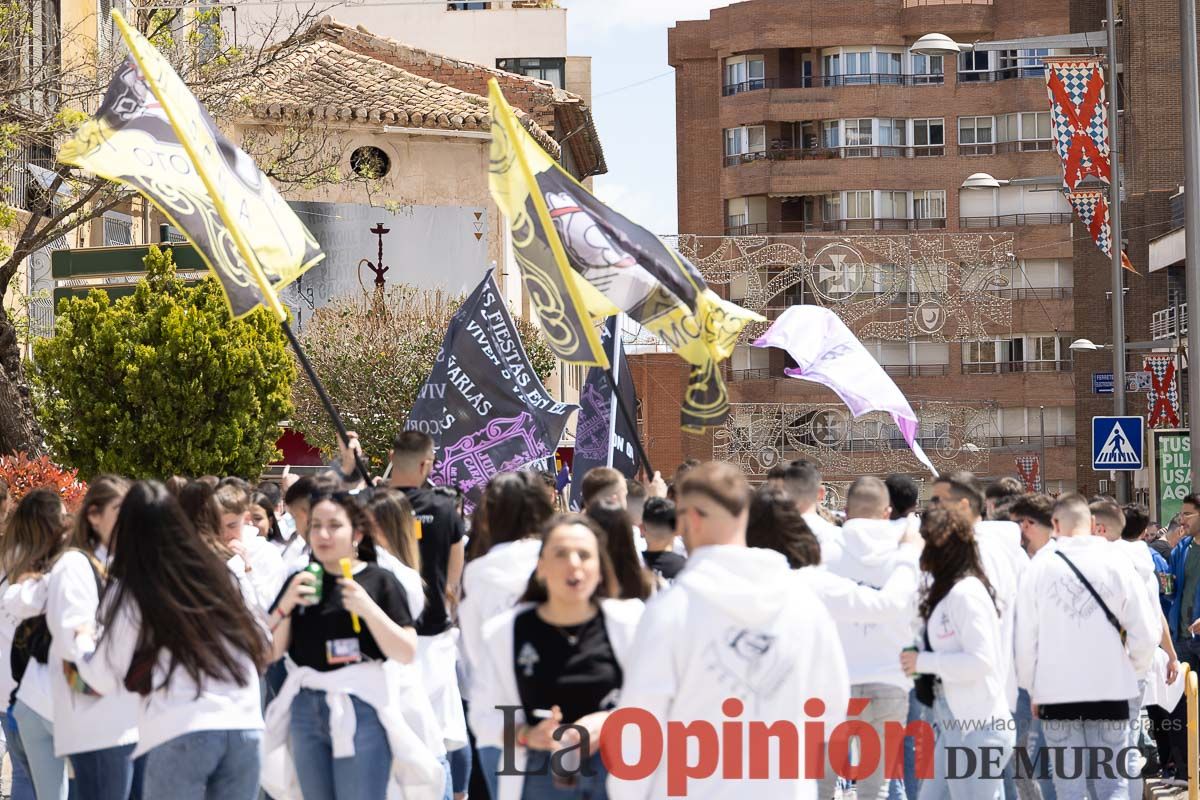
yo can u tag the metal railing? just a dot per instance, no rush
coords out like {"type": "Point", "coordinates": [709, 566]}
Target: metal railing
{"type": "Point", "coordinates": [916, 370]}
{"type": "Point", "coordinates": [1031, 440]}
{"type": "Point", "coordinates": [799, 226]}
{"type": "Point", "coordinates": [1001, 148]}
{"type": "Point", "coordinates": [1004, 74]}
{"type": "Point", "coordinates": [1162, 323]}
{"type": "Point", "coordinates": [880, 79]}
{"type": "Point", "coordinates": [1009, 220]}
{"type": "Point", "coordinates": [23, 190]}
{"type": "Point", "coordinates": [756, 374]}
{"type": "Point", "coordinates": [752, 85]}
{"type": "Point", "coordinates": [829, 153]}
{"type": "Point", "coordinates": [118, 231]}
{"type": "Point", "coordinates": [1045, 293]}
{"type": "Point", "coordinates": [1007, 367]}
{"type": "Point", "coordinates": [921, 3]}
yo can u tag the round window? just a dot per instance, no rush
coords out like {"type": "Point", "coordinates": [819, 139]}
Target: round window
{"type": "Point", "coordinates": [370, 162]}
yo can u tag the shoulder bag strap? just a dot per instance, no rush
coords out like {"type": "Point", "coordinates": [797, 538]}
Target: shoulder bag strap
{"type": "Point", "coordinates": [1087, 585]}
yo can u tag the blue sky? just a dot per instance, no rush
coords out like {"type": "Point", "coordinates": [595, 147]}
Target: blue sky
{"type": "Point", "coordinates": [627, 40]}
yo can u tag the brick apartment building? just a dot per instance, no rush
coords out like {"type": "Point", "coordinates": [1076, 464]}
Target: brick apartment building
{"type": "Point", "coordinates": [820, 160]}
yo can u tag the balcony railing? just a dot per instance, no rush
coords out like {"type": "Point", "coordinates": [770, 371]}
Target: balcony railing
{"type": "Point", "coordinates": [920, 3]}
{"type": "Point", "coordinates": [1162, 323]}
{"type": "Point", "coordinates": [1046, 293]}
{"type": "Point", "coordinates": [880, 79]}
{"type": "Point", "coordinates": [1009, 220]}
{"type": "Point", "coordinates": [23, 190]}
{"type": "Point", "coordinates": [788, 226]}
{"type": "Point", "coordinates": [117, 231]}
{"type": "Point", "coordinates": [916, 370]}
{"type": "Point", "coordinates": [755, 374]}
{"type": "Point", "coordinates": [1007, 367]}
{"type": "Point", "coordinates": [1031, 440]}
{"type": "Point", "coordinates": [1004, 74]}
{"type": "Point", "coordinates": [829, 153]}
{"type": "Point", "coordinates": [1000, 148]}
{"type": "Point", "coordinates": [749, 86]}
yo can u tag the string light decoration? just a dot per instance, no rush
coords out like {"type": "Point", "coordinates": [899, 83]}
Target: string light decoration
{"type": "Point", "coordinates": [758, 436]}
{"type": "Point", "coordinates": [947, 287]}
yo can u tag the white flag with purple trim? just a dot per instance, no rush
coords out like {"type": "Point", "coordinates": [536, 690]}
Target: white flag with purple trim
{"type": "Point", "coordinates": [826, 352]}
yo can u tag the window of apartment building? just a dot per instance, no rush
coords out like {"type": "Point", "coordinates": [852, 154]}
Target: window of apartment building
{"type": "Point", "coordinates": [1030, 62]}
{"type": "Point", "coordinates": [746, 139]}
{"type": "Point", "coordinates": [929, 204]}
{"type": "Point", "coordinates": [926, 69]}
{"type": "Point", "coordinates": [889, 64]}
{"type": "Point", "coordinates": [892, 132]}
{"type": "Point", "coordinates": [858, 134]}
{"type": "Point", "coordinates": [467, 5]}
{"type": "Point", "coordinates": [893, 205]}
{"type": "Point", "coordinates": [929, 134]}
{"type": "Point", "coordinates": [1035, 128]}
{"type": "Point", "coordinates": [972, 63]}
{"type": "Point", "coordinates": [848, 65]}
{"type": "Point", "coordinates": [830, 136]}
{"type": "Point", "coordinates": [985, 351]}
{"type": "Point", "coordinates": [1049, 275]}
{"type": "Point", "coordinates": [975, 130]}
{"type": "Point", "coordinates": [831, 206]}
{"type": "Point", "coordinates": [859, 205]}
{"type": "Point", "coordinates": [744, 73]}
{"type": "Point", "coordinates": [545, 69]}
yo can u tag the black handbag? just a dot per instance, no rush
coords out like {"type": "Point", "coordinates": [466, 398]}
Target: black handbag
{"type": "Point", "coordinates": [923, 684]}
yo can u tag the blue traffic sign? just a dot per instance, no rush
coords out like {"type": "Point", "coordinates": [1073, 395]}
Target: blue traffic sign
{"type": "Point", "coordinates": [1117, 443]}
{"type": "Point", "coordinates": [1102, 383]}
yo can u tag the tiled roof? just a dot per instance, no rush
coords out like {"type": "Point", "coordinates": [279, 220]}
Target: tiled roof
{"type": "Point", "coordinates": [319, 78]}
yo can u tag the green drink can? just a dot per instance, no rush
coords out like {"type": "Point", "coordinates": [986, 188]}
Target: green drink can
{"type": "Point", "coordinates": [317, 571]}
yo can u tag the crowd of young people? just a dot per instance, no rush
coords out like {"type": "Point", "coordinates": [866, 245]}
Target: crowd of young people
{"type": "Point", "coordinates": [328, 640]}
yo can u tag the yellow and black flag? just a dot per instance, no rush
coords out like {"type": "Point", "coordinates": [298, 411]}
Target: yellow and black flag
{"type": "Point", "coordinates": [580, 259]}
{"type": "Point", "coordinates": [152, 134]}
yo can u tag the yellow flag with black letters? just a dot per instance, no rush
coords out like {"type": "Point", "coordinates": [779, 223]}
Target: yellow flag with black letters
{"type": "Point", "coordinates": [582, 260]}
{"type": "Point", "coordinates": [152, 134]}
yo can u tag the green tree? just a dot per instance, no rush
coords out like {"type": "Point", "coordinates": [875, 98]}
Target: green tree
{"type": "Point", "coordinates": [373, 355]}
{"type": "Point", "coordinates": [163, 382]}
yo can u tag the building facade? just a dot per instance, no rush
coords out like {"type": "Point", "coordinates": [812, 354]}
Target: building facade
{"type": "Point", "coordinates": [821, 160]}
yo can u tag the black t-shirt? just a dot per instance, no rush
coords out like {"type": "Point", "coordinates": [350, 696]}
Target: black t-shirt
{"type": "Point", "coordinates": [580, 678]}
{"type": "Point", "coordinates": [441, 529]}
{"type": "Point", "coordinates": [1106, 710]}
{"type": "Point", "coordinates": [665, 563]}
{"type": "Point", "coordinates": [323, 635]}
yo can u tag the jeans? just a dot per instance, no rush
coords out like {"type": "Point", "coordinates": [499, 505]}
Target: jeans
{"type": "Point", "coordinates": [107, 774]}
{"type": "Point", "coordinates": [958, 751]}
{"type": "Point", "coordinates": [22, 784]}
{"type": "Point", "coordinates": [205, 765]}
{"type": "Point", "coordinates": [1088, 773]}
{"type": "Point", "coordinates": [908, 788]}
{"type": "Point", "coordinates": [460, 769]}
{"type": "Point", "coordinates": [885, 703]}
{"type": "Point", "coordinates": [364, 776]}
{"type": "Point", "coordinates": [1037, 743]}
{"type": "Point", "coordinates": [448, 792]}
{"type": "Point", "coordinates": [1133, 758]}
{"type": "Point", "coordinates": [542, 787]}
{"type": "Point", "coordinates": [49, 772]}
{"type": "Point", "coordinates": [1020, 787]}
{"type": "Point", "coordinates": [489, 764]}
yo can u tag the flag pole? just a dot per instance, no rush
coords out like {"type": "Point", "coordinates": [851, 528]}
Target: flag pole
{"type": "Point", "coordinates": [270, 299]}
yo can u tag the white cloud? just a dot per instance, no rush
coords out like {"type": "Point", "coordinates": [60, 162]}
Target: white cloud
{"type": "Point", "coordinates": [592, 17]}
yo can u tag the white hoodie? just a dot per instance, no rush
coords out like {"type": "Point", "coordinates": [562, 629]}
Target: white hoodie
{"type": "Point", "coordinates": [1059, 623]}
{"type": "Point", "coordinates": [22, 601]}
{"type": "Point", "coordinates": [491, 585]}
{"type": "Point", "coordinates": [736, 623]}
{"type": "Point", "coordinates": [870, 556]}
{"type": "Point", "coordinates": [266, 572]}
{"type": "Point", "coordinates": [1004, 561]}
{"type": "Point", "coordinates": [828, 535]}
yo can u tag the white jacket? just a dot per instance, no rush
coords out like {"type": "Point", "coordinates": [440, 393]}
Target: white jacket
{"type": "Point", "coordinates": [870, 556]}
{"type": "Point", "coordinates": [181, 706]}
{"type": "Point", "coordinates": [8, 626]}
{"type": "Point", "coordinates": [22, 601]}
{"type": "Point", "coordinates": [1059, 623]}
{"type": "Point", "coordinates": [496, 683]}
{"type": "Point", "coordinates": [1004, 561]}
{"type": "Point", "coordinates": [828, 535]}
{"type": "Point", "coordinates": [850, 602]}
{"type": "Point", "coordinates": [267, 572]}
{"type": "Point", "coordinates": [736, 623]}
{"type": "Point", "coordinates": [964, 634]}
{"type": "Point", "coordinates": [394, 691]}
{"type": "Point", "coordinates": [81, 722]}
{"type": "Point", "coordinates": [491, 585]}
{"type": "Point", "coordinates": [410, 580]}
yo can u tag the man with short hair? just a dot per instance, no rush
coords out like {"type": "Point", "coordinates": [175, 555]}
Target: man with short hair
{"type": "Point", "coordinates": [658, 529]}
{"type": "Point", "coordinates": [1033, 514]}
{"type": "Point", "coordinates": [802, 480]}
{"type": "Point", "coordinates": [736, 635]}
{"type": "Point", "coordinates": [903, 494]}
{"type": "Point", "coordinates": [635, 500]}
{"type": "Point", "coordinates": [1001, 493]}
{"type": "Point", "coordinates": [869, 556]}
{"type": "Point", "coordinates": [604, 483]}
{"type": "Point", "coordinates": [1059, 618]}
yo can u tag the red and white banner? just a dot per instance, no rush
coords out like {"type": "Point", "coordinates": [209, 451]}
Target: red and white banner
{"type": "Point", "coordinates": [1092, 209]}
{"type": "Point", "coordinates": [1029, 468]}
{"type": "Point", "coordinates": [1162, 398]}
{"type": "Point", "coordinates": [1078, 118]}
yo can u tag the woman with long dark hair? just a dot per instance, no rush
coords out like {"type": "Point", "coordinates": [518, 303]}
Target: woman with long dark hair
{"type": "Point", "coordinates": [97, 733]}
{"type": "Point", "coordinates": [635, 581]}
{"type": "Point", "coordinates": [176, 632]}
{"type": "Point", "coordinates": [557, 657]}
{"type": "Point", "coordinates": [959, 664]}
{"type": "Point", "coordinates": [261, 514]}
{"type": "Point", "coordinates": [396, 545]}
{"type": "Point", "coordinates": [34, 537]}
{"type": "Point", "coordinates": [340, 632]}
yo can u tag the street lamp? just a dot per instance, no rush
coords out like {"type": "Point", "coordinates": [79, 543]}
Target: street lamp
{"type": "Point", "coordinates": [1087, 346]}
{"type": "Point", "coordinates": [938, 44]}
{"type": "Point", "coordinates": [982, 180]}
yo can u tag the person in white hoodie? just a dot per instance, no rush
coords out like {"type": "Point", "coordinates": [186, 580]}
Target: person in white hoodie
{"type": "Point", "coordinates": [802, 480]}
{"type": "Point", "coordinates": [870, 556]}
{"type": "Point", "coordinates": [33, 539]}
{"type": "Point", "coordinates": [1085, 631]}
{"type": "Point", "coordinates": [736, 639]}
{"type": "Point", "coordinates": [96, 733]}
{"type": "Point", "coordinates": [554, 660]}
{"type": "Point", "coordinates": [263, 565]}
{"type": "Point", "coordinates": [175, 631]}
{"type": "Point", "coordinates": [515, 506]}
{"type": "Point", "coordinates": [960, 671]}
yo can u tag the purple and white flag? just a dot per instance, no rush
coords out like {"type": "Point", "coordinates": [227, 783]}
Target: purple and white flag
{"type": "Point", "coordinates": [828, 353]}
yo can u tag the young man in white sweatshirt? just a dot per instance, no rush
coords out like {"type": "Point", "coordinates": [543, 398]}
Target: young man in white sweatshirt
{"type": "Point", "coordinates": [802, 480]}
{"type": "Point", "coordinates": [1081, 670]}
{"type": "Point", "coordinates": [735, 640]}
{"type": "Point", "coordinates": [869, 557]}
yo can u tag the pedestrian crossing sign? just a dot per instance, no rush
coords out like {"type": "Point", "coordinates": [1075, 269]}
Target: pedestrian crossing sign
{"type": "Point", "coordinates": [1117, 443]}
